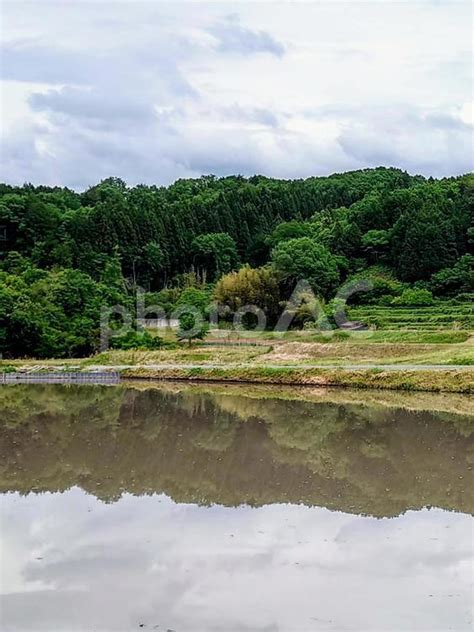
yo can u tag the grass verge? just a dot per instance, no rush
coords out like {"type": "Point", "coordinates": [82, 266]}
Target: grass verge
{"type": "Point", "coordinates": [451, 381]}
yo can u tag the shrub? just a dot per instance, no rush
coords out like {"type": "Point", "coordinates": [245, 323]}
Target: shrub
{"type": "Point", "coordinates": [414, 297]}
{"type": "Point", "coordinates": [385, 300]}
{"type": "Point", "coordinates": [340, 334]}
{"type": "Point", "coordinates": [464, 297]}
{"type": "Point", "coordinates": [137, 340]}
{"type": "Point", "coordinates": [8, 368]}
{"type": "Point", "coordinates": [165, 299]}
{"type": "Point", "coordinates": [376, 243]}
{"type": "Point", "coordinates": [455, 280]}
{"type": "Point", "coordinates": [384, 285]}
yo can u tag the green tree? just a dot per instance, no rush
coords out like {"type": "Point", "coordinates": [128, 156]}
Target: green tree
{"type": "Point", "coordinates": [112, 275]}
{"type": "Point", "coordinates": [194, 297]}
{"type": "Point", "coordinates": [455, 280]}
{"type": "Point", "coordinates": [47, 314]}
{"type": "Point", "coordinates": [286, 231]}
{"type": "Point", "coordinates": [214, 254]}
{"type": "Point", "coordinates": [334, 229]}
{"type": "Point", "coordinates": [250, 286]}
{"type": "Point", "coordinates": [423, 239]}
{"type": "Point", "coordinates": [304, 258]}
{"type": "Point", "coordinates": [376, 243]}
{"type": "Point", "coordinates": [191, 328]}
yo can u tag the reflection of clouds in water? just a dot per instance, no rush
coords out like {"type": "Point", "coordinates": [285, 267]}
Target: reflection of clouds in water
{"type": "Point", "coordinates": [278, 567]}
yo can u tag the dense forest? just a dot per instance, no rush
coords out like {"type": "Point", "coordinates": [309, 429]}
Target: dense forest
{"type": "Point", "coordinates": [64, 254]}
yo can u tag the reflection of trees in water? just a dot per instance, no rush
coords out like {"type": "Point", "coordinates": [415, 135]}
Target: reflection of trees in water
{"type": "Point", "coordinates": [376, 451]}
{"type": "Point", "coordinates": [200, 447]}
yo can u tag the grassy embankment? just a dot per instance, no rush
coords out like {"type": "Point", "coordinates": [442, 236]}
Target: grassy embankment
{"type": "Point", "coordinates": [407, 341]}
{"type": "Point", "coordinates": [449, 381]}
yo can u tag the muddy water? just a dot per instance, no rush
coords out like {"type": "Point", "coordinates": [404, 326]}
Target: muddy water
{"type": "Point", "coordinates": [234, 508]}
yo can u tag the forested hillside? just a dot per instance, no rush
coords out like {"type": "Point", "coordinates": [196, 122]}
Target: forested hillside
{"type": "Point", "coordinates": [64, 254]}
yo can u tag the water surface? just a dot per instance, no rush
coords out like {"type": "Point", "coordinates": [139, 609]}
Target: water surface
{"type": "Point", "coordinates": [234, 508]}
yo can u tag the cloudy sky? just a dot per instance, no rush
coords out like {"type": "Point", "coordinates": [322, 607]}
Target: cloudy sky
{"type": "Point", "coordinates": [153, 91]}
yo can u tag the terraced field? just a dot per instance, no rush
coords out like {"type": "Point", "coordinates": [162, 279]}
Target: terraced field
{"type": "Point", "coordinates": [433, 318]}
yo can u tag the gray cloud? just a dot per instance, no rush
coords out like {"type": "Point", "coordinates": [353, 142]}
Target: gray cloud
{"type": "Point", "coordinates": [98, 109]}
{"type": "Point", "coordinates": [92, 135]}
{"type": "Point", "coordinates": [234, 38]}
{"type": "Point", "coordinates": [430, 142]}
{"type": "Point", "coordinates": [261, 116]}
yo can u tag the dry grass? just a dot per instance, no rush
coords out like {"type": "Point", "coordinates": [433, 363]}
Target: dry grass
{"type": "Point", "coordinates": [435, 381]}
{"type": "Point", "coordinates": [355, 353]}
{"type": "Point", "coordinates": [197, 354]}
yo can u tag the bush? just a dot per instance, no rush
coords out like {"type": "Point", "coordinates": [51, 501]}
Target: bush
{"type": "Point", "coordinates": [8, 368]}
{"type": "Point", "coordinates": [464, 297]}
{"type": "Point", "coordinates": [137, 340]}
{"type": "Point", "coordinates": [384, 289]}
{"type": "Point", "coordinates": [165, 299]}
{"type": "Point", "coordinates": [455, 280]}
{"type": "Point", "coordinates": [385, 300]}
{"type": "Point", "coordinates": [376, 243]}
{"type": "Point", "coordinates": [340, 334]}
{"type": "Point", "coordinates": [414, 297]}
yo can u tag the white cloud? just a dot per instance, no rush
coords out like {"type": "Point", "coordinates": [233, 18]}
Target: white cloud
{"type": "Point", "coordinates": [154, 91]}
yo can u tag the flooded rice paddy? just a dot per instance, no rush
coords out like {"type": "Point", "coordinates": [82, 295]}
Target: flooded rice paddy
{"type": "Point", "coordinates": [234, 508]}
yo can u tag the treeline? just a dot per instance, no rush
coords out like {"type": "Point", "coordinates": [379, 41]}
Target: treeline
{"type": "Point", "coordinates": [64, 253]}
{"type": "Point", "coordinates": [153, 228]}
